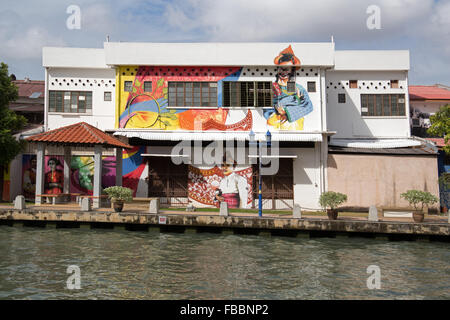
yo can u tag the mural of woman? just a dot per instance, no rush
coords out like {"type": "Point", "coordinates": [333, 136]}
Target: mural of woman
{"type": "Point", "coordinates": [54, 178]}
{"type": "Point", "coordinates": [289, 107]}
{"type": "Point", "coordinates": [233, 188]}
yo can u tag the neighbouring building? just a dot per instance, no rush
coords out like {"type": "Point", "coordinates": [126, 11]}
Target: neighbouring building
{"type": "Point", "coordinates": [30, 104]}
{"type": "Point", "coordinates": [339, 118]}
{"type": "Point", "coordinates": [425, 101]}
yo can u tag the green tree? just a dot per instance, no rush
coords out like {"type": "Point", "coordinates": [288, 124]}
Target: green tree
{"type": "Point", "coordinates": [10, 123]}
{"type": "Point", "coordinates": [440, 126]}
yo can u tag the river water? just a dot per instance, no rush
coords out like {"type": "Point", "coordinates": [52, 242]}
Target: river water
{"type": "Point", "coordinates": [152, 265]}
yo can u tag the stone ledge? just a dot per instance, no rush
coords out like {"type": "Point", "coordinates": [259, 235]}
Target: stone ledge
{"type": "Point", "coordinates": [235, 222]}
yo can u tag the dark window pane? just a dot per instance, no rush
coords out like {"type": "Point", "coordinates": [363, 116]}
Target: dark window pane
{"type": "Point", "coordinates": [311, 86]}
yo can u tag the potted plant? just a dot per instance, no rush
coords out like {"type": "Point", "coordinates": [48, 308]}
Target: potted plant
{"type": "Point", "coordinates": [118, 196]}
{"type": "Point", "coordinates": [332, 200]}
{"type": "Point", "coordinates": [419, 199]}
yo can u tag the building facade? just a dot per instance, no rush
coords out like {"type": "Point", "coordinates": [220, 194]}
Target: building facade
{"type": "Point", "coordinates": [195, 111]}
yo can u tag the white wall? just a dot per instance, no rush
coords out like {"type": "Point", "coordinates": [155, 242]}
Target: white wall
{"type": "Point", "coordinates": [96, 80]}
{"type": "Point", "coordinates": [215, 54]}
{"type": "Point", "coordinates": [307, 177]}
{"type": "Point", "coordinates": [430, 107]}
{"type": "Point", "coordinates": [346, 119]}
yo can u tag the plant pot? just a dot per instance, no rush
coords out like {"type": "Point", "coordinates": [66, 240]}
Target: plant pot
{"type": "Point", "coordinates": [418, 216]}
{"type": "Point", "coordinates": [118, 206]}
{"type": "Point", "coordinates": [332, 214]}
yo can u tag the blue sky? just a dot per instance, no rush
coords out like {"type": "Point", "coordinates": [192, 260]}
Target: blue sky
{"type": "Point", "coordinates": [421, 26]}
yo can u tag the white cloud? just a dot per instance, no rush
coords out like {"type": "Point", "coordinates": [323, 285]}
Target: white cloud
{"type": "Point", "coordinates": [419, 25]}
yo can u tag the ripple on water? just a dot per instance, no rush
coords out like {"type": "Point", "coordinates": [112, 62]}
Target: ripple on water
{"type": "Point", "coordinates": [139, 265]}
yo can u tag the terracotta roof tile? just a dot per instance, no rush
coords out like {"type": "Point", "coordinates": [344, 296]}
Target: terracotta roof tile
{"type": "Point", "coordinates": [439, 142]}
{"type": "Point", "coordinates": [27, 88]}
{"type": "Point", "coordinates": [428, 93]}
{"type": "Point", "coordinates": [78, 134]}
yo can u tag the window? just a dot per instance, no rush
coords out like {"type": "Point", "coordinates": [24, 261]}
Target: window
{"type": "Point", "coordinates": [341, 97]}
{"type": "Point", "coordinates": [291, 87]}
{"type": "Point", "coordinates": [70, 101]}
{"type": "Point", "coordinates": [107, 96]}
{"type": "Point", "coordinates": [385, 105]}
{"type": "Point", "coordinates": [192, 94]}
{"type": "Point", "coordinates": [148, 86]}
{"type": "Point", "coordinates": [247, 94]}
{"type": "Point", "coordinates": [394, 84]}
{"type": "Point", "coordinates": [128, 86]}
{"type": "Point", "coordinates": [311, 86]}
{"type": "Point", "coordinates": [353, 84]}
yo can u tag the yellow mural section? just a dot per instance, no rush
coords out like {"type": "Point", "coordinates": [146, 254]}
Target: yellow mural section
{"type": "Point", "coordinates": [123, 73]}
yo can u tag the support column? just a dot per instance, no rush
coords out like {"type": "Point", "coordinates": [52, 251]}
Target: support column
{"type": "Point", "coordinates": [97, 177]}
{"type": "Point", "coordinates": [67, 156]}
{"type": "Point", "coordinates": [119, 167]}
{"type": "Point", "coordinates": [40, 167]}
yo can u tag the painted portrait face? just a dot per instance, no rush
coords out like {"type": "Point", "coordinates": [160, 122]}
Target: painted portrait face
{"type": "Point", "coordinates": [227, 169]}
{"type": "Point", "coordinates": [52, 164]}
{"type": "Point", "coordinates": [283, 73]}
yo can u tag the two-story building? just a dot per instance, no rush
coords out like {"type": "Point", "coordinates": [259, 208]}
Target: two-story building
{"type": "Point", "coordinates": [337, 120]}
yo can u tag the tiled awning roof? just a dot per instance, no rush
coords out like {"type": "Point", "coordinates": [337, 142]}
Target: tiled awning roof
{"type": "Point", "coordinates": [79, 134]}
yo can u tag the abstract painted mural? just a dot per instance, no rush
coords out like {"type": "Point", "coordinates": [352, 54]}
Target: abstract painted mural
{"type": "Point", "coordinates": [134, 171]}
{"type": "Point", "coordinates": [228, 183]}
{"type": "Point", "coordinates": [145, 92]}
{"type": "Point", "coordinates": [82, 173]}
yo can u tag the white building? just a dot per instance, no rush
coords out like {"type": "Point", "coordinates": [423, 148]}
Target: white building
{"type": "Point", "coordinates": [158, 94]}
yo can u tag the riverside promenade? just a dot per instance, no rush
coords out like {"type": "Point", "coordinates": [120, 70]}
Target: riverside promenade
{"type": "Point", "coordinates": [434, 227]}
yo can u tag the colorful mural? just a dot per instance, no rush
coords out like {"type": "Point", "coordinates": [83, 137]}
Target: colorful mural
{"type": "Point", "coordinates": [289, 107]}
{"type": "Point", "coordinates": [81, 174]}
{"type": "Point", "coordinates": [134, 174]}
{"type": "Point", "coordinates": [228, 183]}
{"type": "Point", "coordinates": [149, 109]}
{"type": "Point", "coordinates": [29, 175]}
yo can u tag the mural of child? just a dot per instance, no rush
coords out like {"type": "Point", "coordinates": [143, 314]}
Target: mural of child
{"type": "Point", "coordinates": [54, 178]}
{"type": "Point", "coordinates": [233, 188]}
{"type": "Point", "coordinates": [289, 107]}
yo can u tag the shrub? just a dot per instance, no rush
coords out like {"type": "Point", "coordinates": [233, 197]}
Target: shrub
{"type": "Point", "coordinates": [331, 199]}
{"type": "Point", "coordinates": [119, 193]}
{"type": "Point", "coordinates": [417, 197]}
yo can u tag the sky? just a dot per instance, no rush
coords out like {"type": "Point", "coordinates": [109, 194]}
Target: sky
{"type": "Point", "coordinates": [420, 26]}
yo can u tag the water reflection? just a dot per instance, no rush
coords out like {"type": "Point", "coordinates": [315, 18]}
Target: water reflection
{"type": "Point", "coordinates": [140, 265]}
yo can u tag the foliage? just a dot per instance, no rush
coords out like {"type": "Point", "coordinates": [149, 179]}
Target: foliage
{"type": "Point", "coordinates": [331, 199]}
{"type": "Point", "coordinates": [440, 126]}
{"type": "Point", "coordinates": [118, 193]}
{"type": "Point", "coordinates": [10, 122]}
{"type": "Point", "coordinates": [416, 197]}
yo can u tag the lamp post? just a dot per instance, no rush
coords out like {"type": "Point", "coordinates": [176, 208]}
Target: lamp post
{"type": "Point", "coordinates": [259, 146]}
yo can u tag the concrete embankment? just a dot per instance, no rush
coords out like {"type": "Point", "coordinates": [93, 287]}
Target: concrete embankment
{"type": "Point", "coordinates": [182, 222]}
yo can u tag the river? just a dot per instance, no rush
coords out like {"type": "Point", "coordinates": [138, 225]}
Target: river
{"type": "Point", "coordinates": [151, 265]}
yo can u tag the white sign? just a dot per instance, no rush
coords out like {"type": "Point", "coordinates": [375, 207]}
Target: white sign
{"type": "Point", "coordinates": [162, 220]}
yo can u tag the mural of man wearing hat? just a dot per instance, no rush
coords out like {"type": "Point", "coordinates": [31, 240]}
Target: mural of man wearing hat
{"type": "Point", "coordinates": [233, 188]}
{"type": "Point", "coordinates": [289, 107]}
